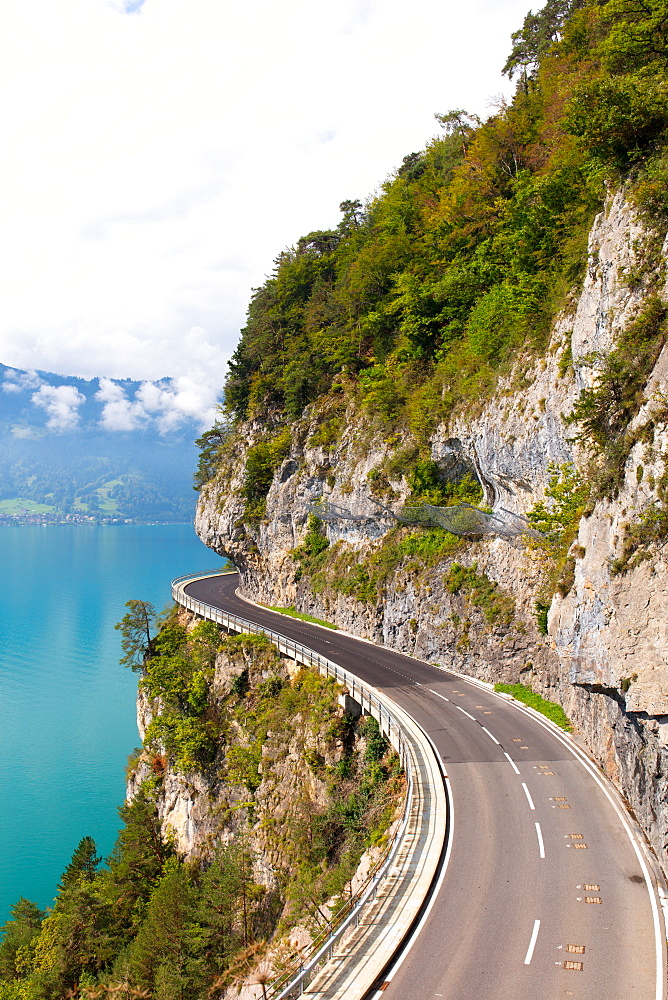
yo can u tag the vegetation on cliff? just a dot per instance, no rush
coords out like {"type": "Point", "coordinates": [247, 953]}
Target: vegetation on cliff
{"type": "Point", "coordinates": [421, 296]}
{"type": "Point", "coordinates": [291, 779]}
{"type": "Point", "coordinates": [448, 280]}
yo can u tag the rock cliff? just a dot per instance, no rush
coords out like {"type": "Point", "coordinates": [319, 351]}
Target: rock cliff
{"type": "Point", "coordinates": [305, 791]}
{"type": "Point", "coordinates": [601, 648]}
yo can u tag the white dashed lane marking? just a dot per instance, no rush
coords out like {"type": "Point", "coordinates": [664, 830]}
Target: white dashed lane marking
{"type": "Point", "coordinates": [532, 942]}
{"type": "Point", "coordinates": [528, 795]}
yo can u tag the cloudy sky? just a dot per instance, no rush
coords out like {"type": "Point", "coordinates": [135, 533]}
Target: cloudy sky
{"type": "Point", "coordinates": [157, 155]}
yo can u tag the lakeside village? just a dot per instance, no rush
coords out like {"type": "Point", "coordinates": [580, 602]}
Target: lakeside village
{"type": "Point", "coordinates": [57, 517]}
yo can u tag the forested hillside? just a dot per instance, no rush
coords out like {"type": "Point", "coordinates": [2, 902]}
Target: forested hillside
{"type": "Point", "coordinates": [424, 294]}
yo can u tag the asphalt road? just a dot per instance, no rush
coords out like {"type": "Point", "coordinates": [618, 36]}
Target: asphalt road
{"type": "Point", "coordinates": [546, 893]}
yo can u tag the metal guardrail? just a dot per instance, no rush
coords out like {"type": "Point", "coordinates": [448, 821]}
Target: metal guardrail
{"type": "Point", "coordinates": [294, 980]}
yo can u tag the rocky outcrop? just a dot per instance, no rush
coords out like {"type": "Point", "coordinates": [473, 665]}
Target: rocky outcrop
{"type": "Point", "coordinates": [200, 810]}
{"type": "Point", "coordinates": [604, 656]}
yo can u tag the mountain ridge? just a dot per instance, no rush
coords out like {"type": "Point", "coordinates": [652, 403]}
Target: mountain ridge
{"type": "Point", "coordinates": [93, 450]}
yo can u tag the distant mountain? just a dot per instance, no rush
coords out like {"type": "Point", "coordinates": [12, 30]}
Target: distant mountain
{"type": "Point", "coordinates": [102, 449]}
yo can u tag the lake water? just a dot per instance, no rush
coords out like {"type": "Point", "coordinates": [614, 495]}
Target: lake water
{"type": "Point", "coordinates": [67, 709]}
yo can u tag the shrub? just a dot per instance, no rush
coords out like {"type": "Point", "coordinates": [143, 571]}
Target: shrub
{"type": "Point", "coordinates": [605, 410]}
{"type": "Point", "coordinates": [558, 520]}
{"type": "Point", "coordinates": [649, 530]}
{"type": "Point", "coordinates": [497, 606]}
{"type": "Point", "coordinates": [310, 554]}
{"type": "Point", "coordinates": [618, 119]}
{"type": "Point", "coordinates": [262, 460]}
{"type": "Point", "coordinates": [428, 485]}
{"type": "Point", "coordinates": [327, 433]}
{"type": "Point", "coordinates": [376, 743]}
{"type": "Point", "coordinates": [542, 610]}
{"type": "Point", "coordinates": [189, 742]}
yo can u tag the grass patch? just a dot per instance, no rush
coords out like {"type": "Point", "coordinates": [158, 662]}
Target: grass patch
{"type": "Point", "coordinates": [549, 709]}
{"type": "Point", "coordinates": [302, 616]}
{"type": "Point", "coordinates": [19, 505]}
{"type": "Point", "coordinates": [347, 571]}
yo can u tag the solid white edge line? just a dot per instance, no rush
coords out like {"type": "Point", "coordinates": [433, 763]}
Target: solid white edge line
{"type": "Point", "coordinates": [511, 762]}
{"type": "Point", "coordinates": [528, 795]}
{"type": "Point", "coordinates": [532, 942]}
{"type": "Point", "coordinates": [586, 763]}
{"type": "Point", "coordinates": [464, 712]}
{"type": "Point", "coordinates": [541, 845]}
{"type": "Point", "coordinates": [491, 735]}
{"type": "Point", "coordinates": [437, 888]}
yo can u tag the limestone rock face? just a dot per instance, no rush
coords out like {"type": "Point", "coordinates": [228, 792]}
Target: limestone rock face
{"type": "Point", "coordinates": [605, 657]}
{"type": "Point", "coordinates": [201, 810]}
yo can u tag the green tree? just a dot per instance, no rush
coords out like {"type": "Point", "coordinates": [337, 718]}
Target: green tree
{"type": "Point", "coordinates": [163, 957]}
{"type": "Point", "coordinates": [83, 866]}
{"type": "Point", "coordinates": [638, 33]}
{"type": "Point", "coordinates": [460, 123]}
{"type": "Point", "coordinates": [137, 627]}
{"type": "Point", "coordinates": [17, 933]}
{"type": "Point", "coordinates": [210, 445]}
{"type": "Point", "coordinates": [536, 35]}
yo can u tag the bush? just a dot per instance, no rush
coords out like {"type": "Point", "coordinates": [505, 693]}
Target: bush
{"type": "Point", "coordinates": [428, 485]}
{"type": "Point", "coordinates": [558, 520]}
{"type": "Point", "coordinates": [497, 606]}
{"type": "Point", "coordinates": [503, 317]}
{"type": "Point", "coordinates": [542, 611]}
{"type": "Point", "coordinates": [649, 530]}
{"type": "Point", "coordinates": [262, 460]}
{"type": "Point", "coordinates": [618, 119]}
{"type": "Point", "coordinates": [605, 410]}
{"type": "Point", "coordinates": [189, 743]}
{"type": "Point", "coordinates": [376, 743]}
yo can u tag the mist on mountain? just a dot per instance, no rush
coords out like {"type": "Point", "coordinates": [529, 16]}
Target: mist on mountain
{"type": "Point", "coordinates": [96, 450]}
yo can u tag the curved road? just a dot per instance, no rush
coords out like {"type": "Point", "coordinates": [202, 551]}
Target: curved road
{"type": "Point", "coordinates": [546, 893]}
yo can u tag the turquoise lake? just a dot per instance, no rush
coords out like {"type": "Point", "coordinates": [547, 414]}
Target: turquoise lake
{"type": "Point", "coordinates": [67, 709]}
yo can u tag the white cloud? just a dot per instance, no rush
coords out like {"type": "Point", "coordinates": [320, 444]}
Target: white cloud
{"type": "Point", "coordinates": [186, 398]}
{"type": "Point", "coordinates": [118, 412]}
{"type": "Point", "coordinates": [23, 432]}
{"type": "Point", "coordinates": [190, 397]}
{"type": "Point", "coordinates": [157, 156]}
{"type": "Point", "coordinates": [61, 403]}
{"type": "Point", "coordinates": [20, 381]}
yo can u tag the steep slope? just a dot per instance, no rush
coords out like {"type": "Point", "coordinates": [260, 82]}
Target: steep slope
{"type": "Point", "coordinates": [491, 330]}
{"type": "Point", "coordinates": [472, 604]}
{"type": "Point", "coordinates": [249, 807]}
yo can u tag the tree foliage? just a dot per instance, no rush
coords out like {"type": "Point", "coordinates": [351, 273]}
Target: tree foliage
{"type": "Point", "coordinates": [146, 923]}
{"type": "Point", "coordinates": [137, 629]}
{"type": "Point", "coordinates": [422, 295]}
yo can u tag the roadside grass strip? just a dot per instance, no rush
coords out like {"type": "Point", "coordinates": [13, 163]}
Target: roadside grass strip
{"type": "Point", "coordinates": [549, 709]}
{"type": "Point", "coordinates": [293, 613]}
